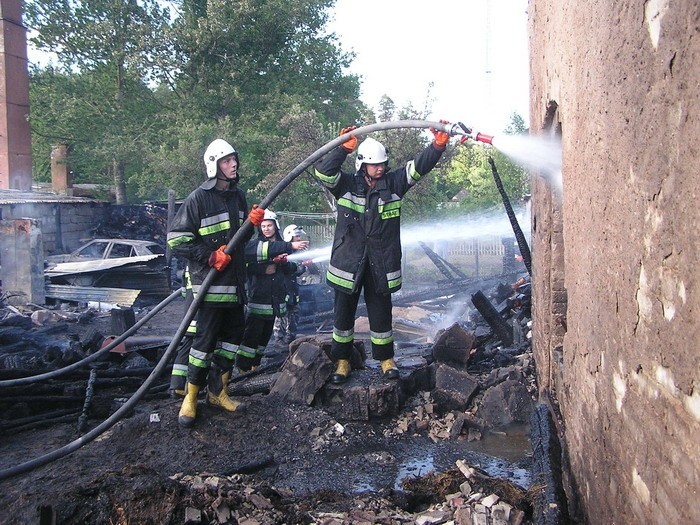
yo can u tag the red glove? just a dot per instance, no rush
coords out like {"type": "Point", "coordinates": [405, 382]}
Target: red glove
{"type": "Point", "coordinates": [256, 215]}
{"type": "Point", "coordinates": [280, 259]}
{"type": "Point", "coordinates": [441, 138]}
{"type": "Point", "coordinates": [218, 259]}
{"type": "Point", "coordinates": [350, 144]}
{"type": "Point", "coordinates": [308, 262]}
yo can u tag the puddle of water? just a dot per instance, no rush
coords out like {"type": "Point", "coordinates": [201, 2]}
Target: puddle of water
{"type": "Point", "coordinates": [503, 455]}
{"type": "Point", "coordinates": [414, 467]}
{"type": "Point", "coordinates": [513, 444]}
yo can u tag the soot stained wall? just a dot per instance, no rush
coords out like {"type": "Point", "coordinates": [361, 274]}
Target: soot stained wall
{"type": "Point", "coordinates": [615, 279]}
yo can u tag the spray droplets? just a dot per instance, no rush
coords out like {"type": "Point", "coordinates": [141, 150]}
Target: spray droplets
{"type": "Point", "coordinates": [542, 155]}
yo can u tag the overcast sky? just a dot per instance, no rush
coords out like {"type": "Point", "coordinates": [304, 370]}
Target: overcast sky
{"type": "Point", "coordinates": [475, 52]}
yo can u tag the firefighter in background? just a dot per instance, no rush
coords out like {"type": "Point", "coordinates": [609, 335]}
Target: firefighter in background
{"type": "Point", "coordinates": [268, 271]}
{"type": "Point", "coordinates": [201, 229]}
{"type": "Point", "coordinates": [286, 324]}
{"type": "Point", "coordinates": [366, 252]}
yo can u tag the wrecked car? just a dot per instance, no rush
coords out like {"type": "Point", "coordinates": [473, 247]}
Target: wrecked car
{"type": "Point", "coordinates": [136, 265]}
{"type": "Point", "coordinates": [108, 249]}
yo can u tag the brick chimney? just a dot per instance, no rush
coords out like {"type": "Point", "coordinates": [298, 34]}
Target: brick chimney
{"type": "Point", "coordinates": [61, 177]}
{"type": "Point", "coordinates": [15, 136]}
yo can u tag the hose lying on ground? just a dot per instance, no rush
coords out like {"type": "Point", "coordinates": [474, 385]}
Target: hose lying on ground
{"type": "Point", "coordinates": [189, 315]}
{"type": "Point", "coordinates": [93, 357]}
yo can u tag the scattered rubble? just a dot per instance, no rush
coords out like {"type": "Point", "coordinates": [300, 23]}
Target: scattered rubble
{"type": "Point", "coordinates": [307, 448]}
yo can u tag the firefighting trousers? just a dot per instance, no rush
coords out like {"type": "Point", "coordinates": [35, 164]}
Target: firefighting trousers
{"type": "Point", "coordinates": [214, 345]}
{"type": "Point", "coordinates": [379, 314]}
{"type": "Point", "coordinates": [178, 378]}
{"type": "Point", "coordinates": [286, 325]}
{"type": "Point", "coordinates": [257, 334]}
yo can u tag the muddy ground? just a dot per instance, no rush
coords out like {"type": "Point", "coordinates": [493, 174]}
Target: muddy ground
{"type": "Point", "coordinates": [278, 463]}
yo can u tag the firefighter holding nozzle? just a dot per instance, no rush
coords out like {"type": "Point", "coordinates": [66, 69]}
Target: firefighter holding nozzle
{"type": "Point", "coordinates": [203, 226]}
{"type": "Point", "coordinates": [366, 252]}
{"type": "Point", "coordinates": [268, 272]}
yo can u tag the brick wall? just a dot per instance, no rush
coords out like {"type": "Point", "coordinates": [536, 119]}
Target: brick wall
{"type": "Point", "coordinates": [615, 281]}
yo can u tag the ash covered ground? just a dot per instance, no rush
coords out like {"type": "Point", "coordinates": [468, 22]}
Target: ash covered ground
{"type": "Point", "coordinates": [278, 463]}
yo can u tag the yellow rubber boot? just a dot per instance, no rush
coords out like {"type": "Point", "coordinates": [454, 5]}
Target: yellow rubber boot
{"type": "Point", "coordinates": [342, 372]}
{"type": "Point", "coordinates": [188, 412]}
{"type": "Point", "coordinates": [218, 396]}
{"type": "Point", "coordinates": [389, 369]}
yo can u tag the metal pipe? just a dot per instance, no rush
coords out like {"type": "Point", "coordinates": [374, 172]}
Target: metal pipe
{"type": "Point", "coordinates": [189, 315]}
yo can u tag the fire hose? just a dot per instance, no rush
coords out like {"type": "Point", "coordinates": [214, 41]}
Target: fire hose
{"type": "Point", "coordinates": [102, 351]}
{"type": "Point", "coordinates": [123, 410]}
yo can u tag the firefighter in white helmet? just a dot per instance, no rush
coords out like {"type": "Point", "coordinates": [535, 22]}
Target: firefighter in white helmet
{"type": "Point", "coordinates": [268, 268]}
{"type": "Point", "coordinates": [286, 324]}
{"type": "Point", "coordinates": [366, 253]}
{"type": "Point", "coordinates": [200, 233]}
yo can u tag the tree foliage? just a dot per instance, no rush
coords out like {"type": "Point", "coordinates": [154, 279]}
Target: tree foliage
{"type": "Point", "coordinates": [142, 86]}
{"type": "Point", "coordinates": [103, 47]}
{"type": "Point", "coordinates": [469, 178]}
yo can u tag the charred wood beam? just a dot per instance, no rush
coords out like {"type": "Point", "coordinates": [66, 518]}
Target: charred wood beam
{"type": "Point", "coordinates": [550, 505]}
{"type": "Point", "coordinates": [519, 236]}
{"type": "Point", "coordinates": [29, 420]}
{"type": "Point", "coordinates": [442, 265]}
{"type": "Point", "coordinates": [45, 420]}
{"type": "Point", "coordinates": [500, 327]}
{"type": "Point", "coordinates": [113, 371]}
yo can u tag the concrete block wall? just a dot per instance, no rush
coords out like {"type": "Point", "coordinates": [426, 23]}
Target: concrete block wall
{"type": "Point", "coordinates": [616, 255]}
{"type": "Point", "coordinates": [64, 225]}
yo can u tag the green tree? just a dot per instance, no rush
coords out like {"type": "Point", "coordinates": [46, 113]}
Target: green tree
{"type": "Point", "coordinates": [516, 126]}
{"type": "Point", "coordinates": [110, 45]}
{"type": "Point", "coordinates": [247, 72]}
{"type": "Point", "coordinates": [469, 175]}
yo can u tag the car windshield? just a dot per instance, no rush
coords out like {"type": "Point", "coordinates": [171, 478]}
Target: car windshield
{"type": "Point", "coordinates": [93, 250]}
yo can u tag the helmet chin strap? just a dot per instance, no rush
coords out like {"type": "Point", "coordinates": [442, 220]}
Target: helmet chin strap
{"type": "Point", "coordinates": [371, 181]}
{"type": "Point", "coordinates": [221, 176]}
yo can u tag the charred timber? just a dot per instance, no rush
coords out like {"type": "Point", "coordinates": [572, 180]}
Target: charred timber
{"type": "Point", "coordinates": [519, 236]}
{"type": "Point", "coordinates": [500, 326]}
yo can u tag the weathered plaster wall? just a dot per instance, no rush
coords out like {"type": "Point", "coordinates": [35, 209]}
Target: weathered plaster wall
{"type": "Point", "coordinates": [620, 247]}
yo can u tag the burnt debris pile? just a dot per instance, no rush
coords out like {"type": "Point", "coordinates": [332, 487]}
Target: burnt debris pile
{"type": "Point", "coordinates": [43, 341]}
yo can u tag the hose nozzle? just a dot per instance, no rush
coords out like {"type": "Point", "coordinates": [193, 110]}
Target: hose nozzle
{"type": "Point", "coordinates": [468, 133]}
{"type": "Point", "coordinates": [483, 137]}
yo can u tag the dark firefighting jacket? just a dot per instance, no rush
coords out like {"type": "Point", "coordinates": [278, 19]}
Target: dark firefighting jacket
{"type": "Point", "coordinates": [207, 220]}
{"type": "Point", "coordinates": [367, 232]}
{"type": "Point", "coordinates": [267, 292]}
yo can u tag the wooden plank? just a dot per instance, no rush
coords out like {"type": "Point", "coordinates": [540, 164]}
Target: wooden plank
{"type": "Point", "coordinates": [84, 294]}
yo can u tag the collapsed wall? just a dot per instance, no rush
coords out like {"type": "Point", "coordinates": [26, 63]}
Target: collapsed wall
{"type": "Point", "coordinates": [615, 284]}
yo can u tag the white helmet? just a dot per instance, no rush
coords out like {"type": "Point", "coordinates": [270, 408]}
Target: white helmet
{"type": "Point", "coordinates": [292, 231]}
{"type": "Point", "coordinates": [271, 216]}
{"type": "Point", "coordinates": [218, 149]}
{"type": "Point", "coordinates": [371, 152]}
